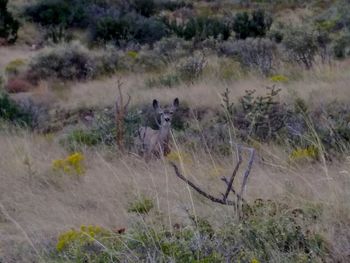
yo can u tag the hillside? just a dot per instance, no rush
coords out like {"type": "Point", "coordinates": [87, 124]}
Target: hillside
{"type": "Point", "coordinates": [251, 89]}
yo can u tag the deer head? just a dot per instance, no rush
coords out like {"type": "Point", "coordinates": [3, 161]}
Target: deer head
{"type": "Point", "coordinates": [166, 113]}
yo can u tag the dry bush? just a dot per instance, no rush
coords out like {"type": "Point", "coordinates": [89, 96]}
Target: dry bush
{"type": "Point", "coordinates": [67, 62]}
{"type": "Point", "coordinates": [15, 85]}
{"type": "Point", "coordinates": [256, 54]}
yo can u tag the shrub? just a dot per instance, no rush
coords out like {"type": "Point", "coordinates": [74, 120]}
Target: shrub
{"type": "Point", "coordinates": [121, 29]}
{"type": "Point", "coordinates": [283, 232]}
{"type": "Point", "coordinates": [15, 85]}
{"type": "Point", "coordinates": [279, 78]}
{"type": "Point", "coordinates": [11, 111]}
{"type": "Point", "coordinates": [172, 5]}
{"type": "Point", "coordinates": [201, 28]}
{"type": "Point", "coordinates": [172, 48]}
{"type": "Point", "coordinates": [252, 53]}
{"type": "Point", "coordinates": [72, 164]}
{"type": "Point", "coordinates": [255, 25]}
{"type": "Point", "coordinates": [191, 68]}
{"type": "Point", "coordinates": [341, 45]}
{"type": "Point", "coordinates": [8, 25]}
{"type": "Point", "coordinates": [57, 16]}
{"type": "Point", "coordinates": [107, 61]}
{"type": "Point", "coordinates": [67, 62]}
{"type": "Point", "coordinates": [144, 7]}
{"type": "Point", "coordinates": [308, 153]}
{"type": "Point", "coordinates": [86, 235]}
{"type": "Point", "coordinates": [62, 13]}
{"type": "Point", "coordinates": [14, 67]}
{"type": "Point", "coordinates": [82, 137]}
{"type": "Point", "coordinates": [301, 46]}
{"type": "Point", "coordinates": [169, 81]}
{"type": "Point", "coordinates": [261, 117]}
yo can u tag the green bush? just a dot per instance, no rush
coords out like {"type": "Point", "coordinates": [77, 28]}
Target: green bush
{"type": "Point", "coordinates": [146, 8]}
{"type": "Point", "coordinates": [58, 12]}
{"type": "Point", "coordinates": [131, 27]}
{"type": "Point", "coordinates": [8, 25]}
{"type": "Point", "coordinates": [11, 111]}
{"type": "Point", "coordinates": [255, 25]}
{"type": "Point", "coordinates": [341, 45]}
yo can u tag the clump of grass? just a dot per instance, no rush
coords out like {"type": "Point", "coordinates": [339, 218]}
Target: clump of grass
{"type": "Point", "coordinates": [142, 205]}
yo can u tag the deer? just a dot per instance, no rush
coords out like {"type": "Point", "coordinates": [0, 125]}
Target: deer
{"type": "Point", "coordinates": [155, 143]}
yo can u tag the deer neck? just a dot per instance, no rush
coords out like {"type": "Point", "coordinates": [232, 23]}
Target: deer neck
{"type": "Point", "coordinates": [164, 134]}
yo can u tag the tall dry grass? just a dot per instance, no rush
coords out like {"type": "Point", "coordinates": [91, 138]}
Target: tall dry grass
{"type": "Point", "coordinates": [37, 203]}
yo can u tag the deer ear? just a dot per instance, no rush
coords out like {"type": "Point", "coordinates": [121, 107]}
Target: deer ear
{"type": "Point", "coordinates": [155, 104]}
{"type": "Point", "coordinates": [176, 103]}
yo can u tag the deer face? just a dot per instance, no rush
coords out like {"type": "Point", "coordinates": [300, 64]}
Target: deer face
{"type": "Point", "coordinates": [166, 113]}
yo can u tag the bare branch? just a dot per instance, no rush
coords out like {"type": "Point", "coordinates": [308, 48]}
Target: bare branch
{"type": "Point", "coordinates": [247, 171]}
{"type": "Point", "coordinates": [127, 104]}
{"type": "Point", "coordinates": [200, 191]}
{"type": "Point", "coordinates": [233, 190]}
{"type": "Point", "coordinates": [230, 182]}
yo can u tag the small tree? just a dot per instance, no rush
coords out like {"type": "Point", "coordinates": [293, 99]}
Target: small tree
{"type": "Point", "coordinates": [8, 25]}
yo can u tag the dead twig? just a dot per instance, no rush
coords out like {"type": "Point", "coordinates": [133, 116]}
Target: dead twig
{"type": "Point", "coordinates": [233, 190]}
{"type": "Point", "coordinates": [229, 182]}
{"type": "Point", "coordinates": [247, 172]}
{"type": "Point", "coordinates": [120, 112]}
{"type": "Point", "coordinates": [200, 191]}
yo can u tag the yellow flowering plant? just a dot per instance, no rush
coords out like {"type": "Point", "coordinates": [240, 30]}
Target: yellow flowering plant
{"type": "Point", "coordinates": [72, 164]}
{"type": "Point", "coordinates": [84, 236]}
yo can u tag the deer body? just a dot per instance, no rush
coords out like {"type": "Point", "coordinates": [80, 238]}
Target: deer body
{"type": "Point", "coordinates": [156, 142]}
